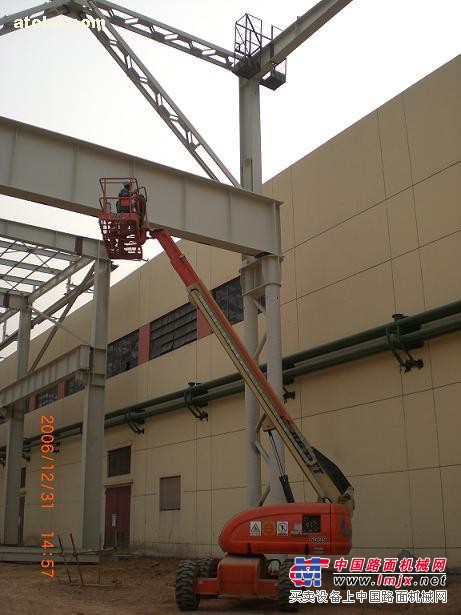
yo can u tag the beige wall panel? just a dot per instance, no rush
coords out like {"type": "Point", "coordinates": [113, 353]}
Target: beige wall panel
{"type": "Point", "coordinates": [203, 349]}
{"type": "Point", "coordinates": [205, 464]}
{"type": "Point", "coordinates": [394, 146]}
{"type": "Point", "coordinates": [224, 266]}
{"type": "Point", "coordinates": [177, 459]}
{"type": "Point", "coordinates": [227, 414]}
{"type": "Point", "coordinates": [357, 244]}
{"type": "Point", "coordinates": [170, 428]}
{"type": "Point", "coordinates": [225, 503]}
{"type": "Point", "coordinates": [353, 159]}
{"type": "Point", "coordinates": [187, 532]}
{"type": "Point", "coordinates": [117, 437]}
{"type": "Point", "coordinates": [164, 375]}
{"type": "Point", "coordinates": [38, 520]}
{"type": "Point", "coordinates": [403, 231]}
{"type": "Point", "coordinates": [204, 518]}
{"type": "Point", "coordinates": [289, 315]}
{"type": "Point", "coordinates": [138, 469]}
{"type": "Point", "coordinates": [380, 499]}
{"type": "Point", "coordinates": [451, 480]}
{"type": "Point", "coordinates": [283, 191]}
{"type": "Point", "coordinates": [121, 390]}
{"type": "Point", "coordinates": [363, 301]}
{"type": "Point", "coordinates": [421, 430]}
{"type": "Point", "coordinates": [138, 521]}
{"type": "Point", "coordinates": [433, 116]}
{"type": "Point", "coordinates": [427, 508]}
{"type": "Point", "coordinates": [437, 201]}
{"type": "Point", "coordinates": [440, 264]}
{"type": "Point", "coordinates": [408, 283]}
{"type": "Point", "coordinates": [124, 312]}
{"type": "Point", "coordinates": [288, 288]}
{"type": "Point", "coordinates": [203, 267]}
{"type": "Point", "coordinates": [228, 460]}
{"type": "Point", "coordinates": [375, 441]}
{"type": "Point", "coordinates": [446, 359]}
{"type": "Point", "coordinates": [152, 517]}
{"type": "Point", "coordinates": [359, 382]}
{"type": "Point", "coordinates": [142, 382]}
{"type": "Point", "coordinates": [447, 405]}
{"type": "Point", "coordinates": [151, 483]}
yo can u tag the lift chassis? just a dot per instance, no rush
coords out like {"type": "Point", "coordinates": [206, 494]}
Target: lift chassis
{"type": "Point", "coordinates": [314, 529]}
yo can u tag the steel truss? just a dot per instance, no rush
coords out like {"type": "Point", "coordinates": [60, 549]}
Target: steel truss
{"type": "Point", "coordinates": [21, 258]}
{"type": "Point", "coordinates": [264, 61]}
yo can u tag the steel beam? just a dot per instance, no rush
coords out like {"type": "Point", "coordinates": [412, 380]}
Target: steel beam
{"type": "Point", "coordinates": [46, 167]}
{"type": "Point", "coordinates": [158, 98]}
{"type": "Point", "coordinates": [128, 19]}
{"type": "Point", "coordinates": [77, 360]}
{"type": "Point", "coordinates": [28, 266]}
{"type": "Point", "coordinates": [299, 31]}
{"type": "Point", "coordinates": [93, 416]}
{"type": "Point", "coordinates": [48, 10]}
{"type": "Point", "coordinates": [47, 238]}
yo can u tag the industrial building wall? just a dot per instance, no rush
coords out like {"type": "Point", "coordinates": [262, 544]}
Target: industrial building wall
{"type": "Point", "coordinates": [371, 226]}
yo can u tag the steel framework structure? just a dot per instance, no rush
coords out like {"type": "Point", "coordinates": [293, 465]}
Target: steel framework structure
{"type": "Point", "coordinates": [251, 71]}
{"type": "Point", "coordinates": [33, 262]}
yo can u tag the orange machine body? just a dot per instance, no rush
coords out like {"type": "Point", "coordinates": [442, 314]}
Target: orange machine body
{"type": "Point", "coordinates": [299, 528]}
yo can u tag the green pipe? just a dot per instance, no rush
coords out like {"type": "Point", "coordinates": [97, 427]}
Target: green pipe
{"type": "Point", "coordinates": [233, 384]}
{"type": "Point", "coordinates": [370, 334]}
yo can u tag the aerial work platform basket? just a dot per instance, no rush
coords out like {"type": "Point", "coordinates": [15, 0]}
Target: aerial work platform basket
{"type": "Point", "coordinates": [123, 217]}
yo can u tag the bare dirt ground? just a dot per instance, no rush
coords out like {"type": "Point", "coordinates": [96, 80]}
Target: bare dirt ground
{"type": "Point", "coordinates": [146, 587]}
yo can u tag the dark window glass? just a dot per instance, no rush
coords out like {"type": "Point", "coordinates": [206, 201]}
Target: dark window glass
{"type": "Point", "coordinates": [173, 330]}
{"type": "Point", "coordinates": [170, 493]}
{"type": "Point", "coordinates": [73, 386]}
{"type": "Point", "coordinates": [122, 354]}
{"type": "Point", "coordinates": [48, 396]}
{"type": "Point", "coordinates": [119, 461]}
{"type": "Point", "coordinates": [229, 298]}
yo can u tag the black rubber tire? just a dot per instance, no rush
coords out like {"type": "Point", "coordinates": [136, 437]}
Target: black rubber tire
{"type": "Point", "coordinates": [284, 588]}
{"type": "Point", "coordinates": [186, 576]}
{"type": "Point", "coordinates": [208, 567]}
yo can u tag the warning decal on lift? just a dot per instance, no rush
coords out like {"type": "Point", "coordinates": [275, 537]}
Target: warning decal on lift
{"type": "Point", "coordinates": [282, 528]}
{"type": "Point", "coordinates": [255, 528]}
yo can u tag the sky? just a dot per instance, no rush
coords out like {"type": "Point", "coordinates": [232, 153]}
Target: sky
{"type": "Point", "coordinates": [59, 77]}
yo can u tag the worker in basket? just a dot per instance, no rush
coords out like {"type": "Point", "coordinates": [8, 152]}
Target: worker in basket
{"type": "Point", "coordinates": [124, 199]}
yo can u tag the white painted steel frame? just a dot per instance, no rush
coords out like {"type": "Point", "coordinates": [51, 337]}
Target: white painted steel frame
{"type": "Point", "coordinates": [45, 167]}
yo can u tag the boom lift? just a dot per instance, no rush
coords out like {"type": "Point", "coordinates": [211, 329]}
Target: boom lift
{"type": "Point", "coordinates": [317, 528]}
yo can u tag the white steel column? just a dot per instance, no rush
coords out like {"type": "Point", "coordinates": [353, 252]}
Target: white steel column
{"type": "Point", "coordinates": [12, 491]}
{"type": "Point", "coordinates": [93, 414]}
{"type": "Point", "coordinates": [251, 179]}
{"type": "Point", "coordinates": [274, 368]}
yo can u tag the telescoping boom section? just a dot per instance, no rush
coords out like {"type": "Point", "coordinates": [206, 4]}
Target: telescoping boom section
{"type": "Point", "coordinates": [325, 477]}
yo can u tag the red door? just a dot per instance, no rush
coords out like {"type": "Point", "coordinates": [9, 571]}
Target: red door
{"type": "Point", "coordinates": [117, 527]}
